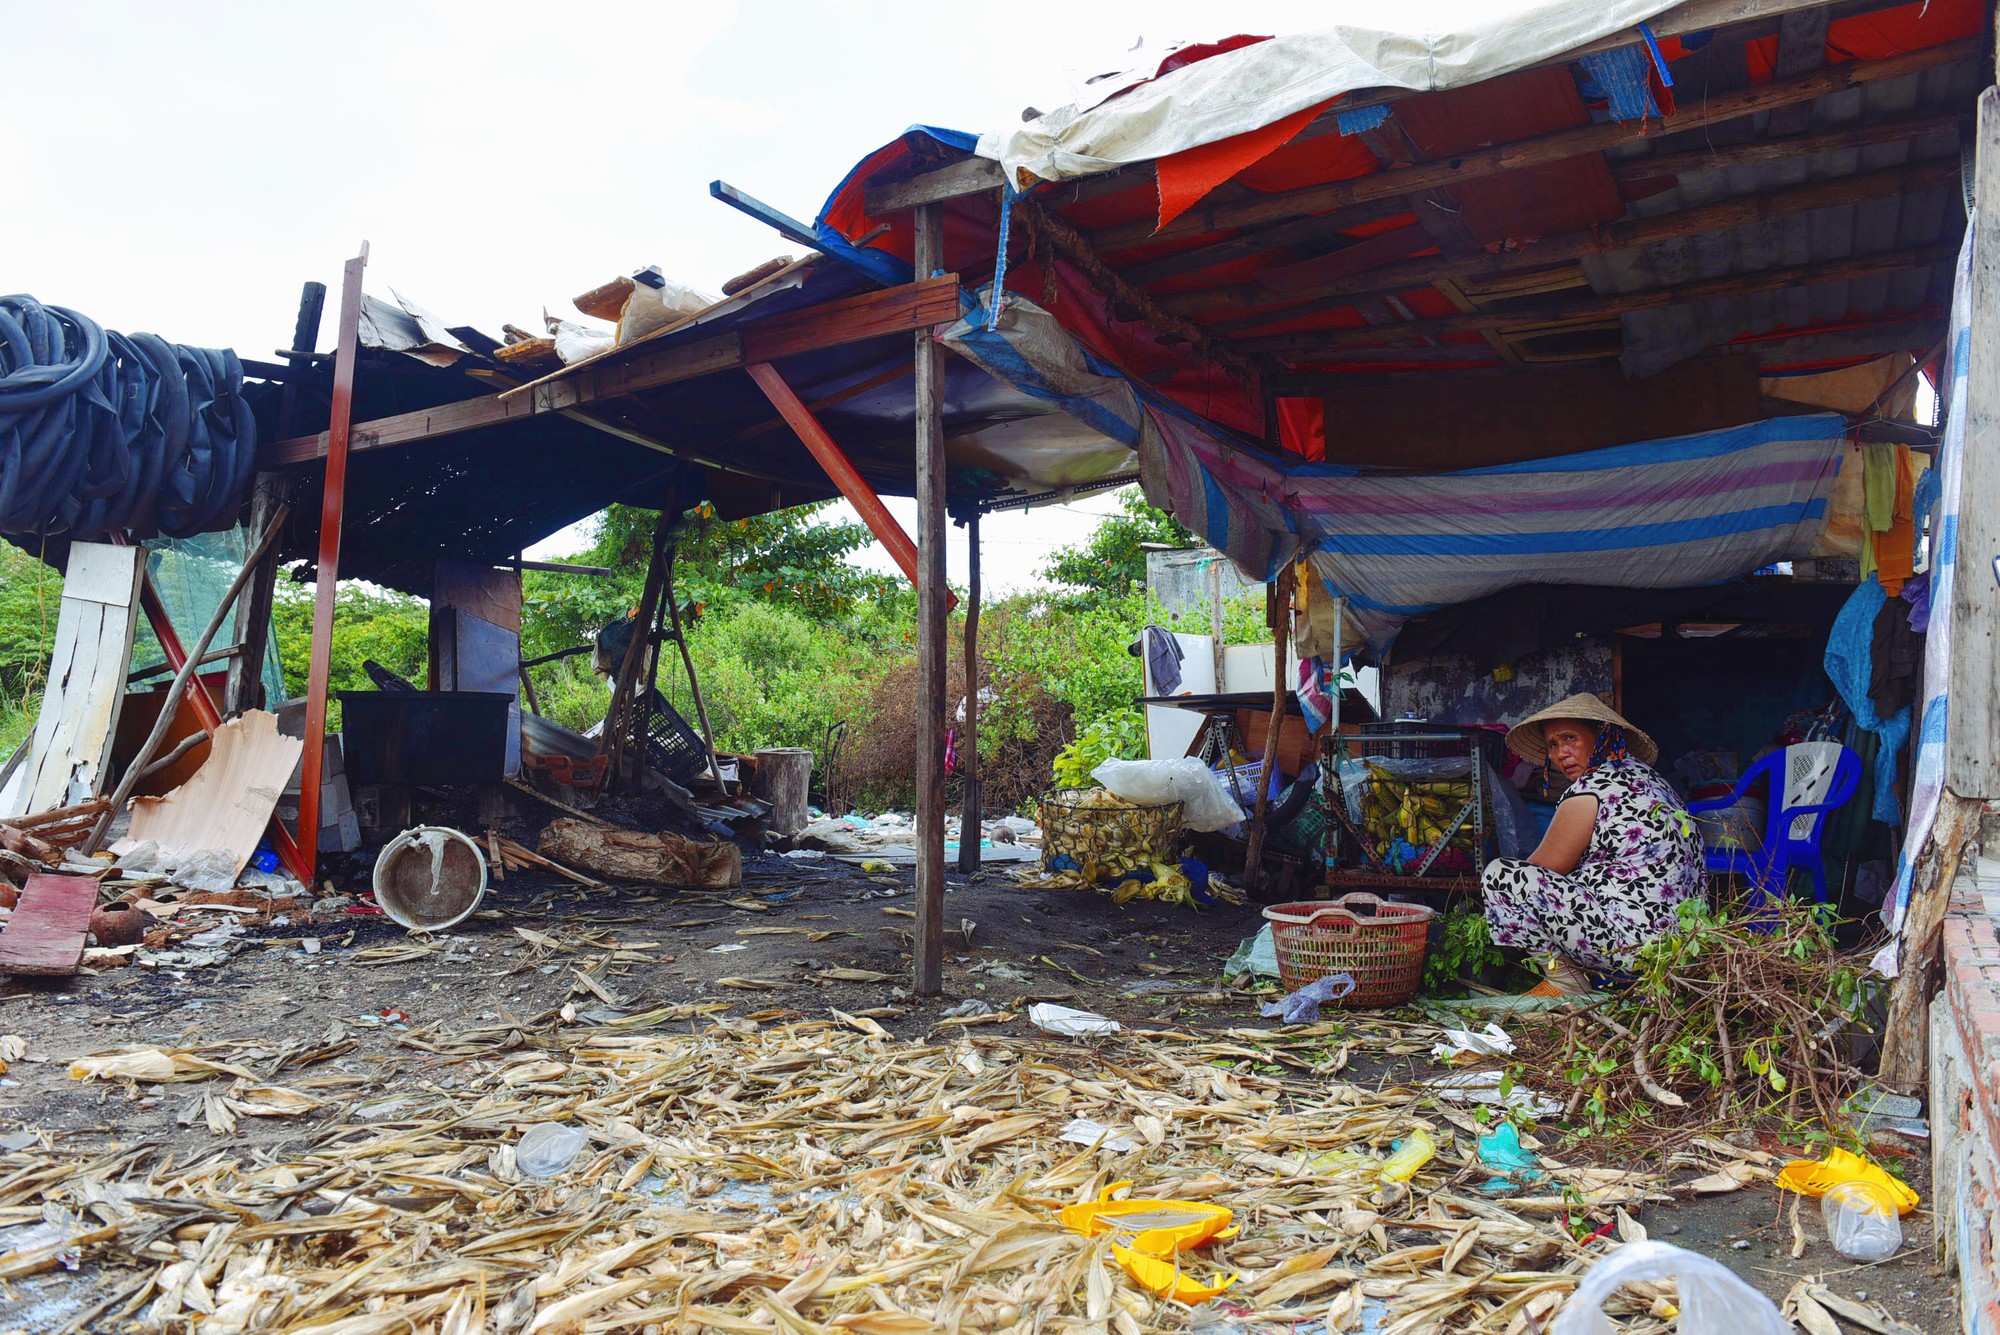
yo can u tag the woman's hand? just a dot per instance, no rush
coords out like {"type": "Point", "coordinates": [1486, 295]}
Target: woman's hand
{"type": "Point", "coordinates": [1563, 847]}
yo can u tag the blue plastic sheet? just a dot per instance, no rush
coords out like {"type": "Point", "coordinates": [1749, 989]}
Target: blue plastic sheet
{"type": "Point", "coordinates": [1848, 663]}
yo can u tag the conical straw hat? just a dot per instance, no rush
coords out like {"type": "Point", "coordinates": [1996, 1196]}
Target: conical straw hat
{"type": "Point", "coordinates": [1525, 740]}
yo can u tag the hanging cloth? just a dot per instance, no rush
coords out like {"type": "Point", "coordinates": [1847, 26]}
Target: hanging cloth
{"type": "Point", "coordinates": [1896, 547]}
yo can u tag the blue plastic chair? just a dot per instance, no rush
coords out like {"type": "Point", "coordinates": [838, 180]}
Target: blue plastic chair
{"type": "Point", "coordinates": [1806, 780]}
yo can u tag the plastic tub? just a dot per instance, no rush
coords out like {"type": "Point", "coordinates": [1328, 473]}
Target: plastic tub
{"type": "Point", "coordinates": [429, 878]}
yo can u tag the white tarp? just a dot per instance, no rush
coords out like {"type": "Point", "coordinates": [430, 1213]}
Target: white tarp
{"type": "Point", "coordinates": [1242, 90]}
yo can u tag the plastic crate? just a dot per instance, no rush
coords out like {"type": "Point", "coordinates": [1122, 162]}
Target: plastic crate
{"type": "Point", "coordinates": [1378, 944]}
{"type": "Point", "coordinates": [671, 746]}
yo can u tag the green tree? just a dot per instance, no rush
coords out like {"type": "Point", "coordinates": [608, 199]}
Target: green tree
{"type": "Point", "coordinates": [30, 593]}
{"type": "Point", "coordinates": [1111, 561]}
{"type": "Point", "coordinates": [368, 623]}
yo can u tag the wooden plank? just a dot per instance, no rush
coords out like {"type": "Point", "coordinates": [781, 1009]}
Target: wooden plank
{"type": "Point", "coordinates": [1755, 151]}
{"type": "Point", "coordinates": [1531, 314]}
{"type": "Point", "coordinates": [1906, 1029]}
{"type": "Point", "coordinates": [967, 176]}
{"type": "Point", "coordinates": [932, 610]}
{"type": "Point", "coordinates": [851, 320]}
{"type": "Point", "coordinates": [90, 656]}
{"type": "Point", "coordinates": [44, 937]}
{"type": "Point", "coordinates": [1481, 163]}
{"type": "Point", "coordinates": [1322, 284]}
{"type": "Point", "coordinates": [1972, 742]}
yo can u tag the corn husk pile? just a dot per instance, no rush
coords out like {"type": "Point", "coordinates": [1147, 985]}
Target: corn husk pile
{"type": "Point", "coordinates": [803, 1176]}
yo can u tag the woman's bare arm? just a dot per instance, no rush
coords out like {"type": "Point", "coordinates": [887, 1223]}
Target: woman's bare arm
{"type": "Point", "coordinates": [1563, 847]}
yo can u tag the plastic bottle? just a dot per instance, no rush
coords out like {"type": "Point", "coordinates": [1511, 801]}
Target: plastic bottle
{"type": "Point", "coordinates": [1861, 1221]}
{"type": "Point", "coordinates": [1417, 1150]}
{"type": "Point", "coordinates": [548, 1148]}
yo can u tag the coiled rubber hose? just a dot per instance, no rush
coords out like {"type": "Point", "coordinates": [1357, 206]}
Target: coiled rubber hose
{"type": "Point", "coordinates": [102, 433]}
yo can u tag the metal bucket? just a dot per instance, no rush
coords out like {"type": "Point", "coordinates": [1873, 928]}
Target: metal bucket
{"type": "Point", "coordinates": [430, 878]}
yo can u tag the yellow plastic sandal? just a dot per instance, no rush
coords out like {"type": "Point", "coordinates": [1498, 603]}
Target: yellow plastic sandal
{"type": "Point", "coordinates": [1811, 1177]}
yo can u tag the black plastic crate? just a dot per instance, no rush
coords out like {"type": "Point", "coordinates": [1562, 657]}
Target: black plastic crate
{"type": "Point", "coordinates": [672, 747]}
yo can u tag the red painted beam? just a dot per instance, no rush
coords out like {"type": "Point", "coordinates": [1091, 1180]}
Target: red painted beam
{"type": "Point", "coordinates": [839, 468]}
{"type": "Point", "coordinates": [326, 575]}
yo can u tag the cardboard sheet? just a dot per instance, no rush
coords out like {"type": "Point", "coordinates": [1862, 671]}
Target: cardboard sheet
{"type": "Point", "coordinates": [228, 803]}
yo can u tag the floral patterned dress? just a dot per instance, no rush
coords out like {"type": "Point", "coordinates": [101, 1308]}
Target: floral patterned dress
{"type": "Point", "coordinates": [1644, 859]}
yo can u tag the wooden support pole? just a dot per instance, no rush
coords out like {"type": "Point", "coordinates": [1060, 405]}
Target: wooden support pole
{"type": "Point", "coordinates": [687, 662]}
{"type": "Point", "coordinates": [972, 813]}
{"type": "Point", "coordinates": [1253, 857]}
{"type": "Point", "coordinates": [618, 716]}
{"type": "Point", "coordinates": [932, 609]}
{"type": "Point", "coordinates": [1906, 1034]}
{"type": "Point", "coordinates": [1972, 741]}
{"type": "Point", "coordinates": [253, 610]}
{"type": "Point", "coordinates": [326, 573]}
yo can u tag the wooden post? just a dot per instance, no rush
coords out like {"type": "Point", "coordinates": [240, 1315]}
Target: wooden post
{"type": "Point", "coordinates": [784, 776]}
{"type": "Point", "coordinates": [1253, 857]}
{"type": "Point", "coordinates": [619, 713]}
{"type": "Point", "coordinates": [252, 632]}
{"type": "Point", "coordinates": [326, 573]}
{"type": "Point", "coordinates": [973, 811]}
{"type": "Point", "coordinates": [687, 661]}
{"type": "Point", "coordinates": [931, 613]}
{"type": "Point", "coordinates": [1972, 742]}
{"type": "Point", "coordinates": [1215, 634]}
{"type": "Point", "coordinates": [1905, 1061]}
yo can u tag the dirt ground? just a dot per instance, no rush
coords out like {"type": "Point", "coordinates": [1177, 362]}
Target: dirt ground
{"type": "Point", "coordinates": [798, 938]}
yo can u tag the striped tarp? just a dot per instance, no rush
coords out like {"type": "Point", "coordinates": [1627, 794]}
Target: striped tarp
{"type": "Point", "coordinates": [1672, 513]}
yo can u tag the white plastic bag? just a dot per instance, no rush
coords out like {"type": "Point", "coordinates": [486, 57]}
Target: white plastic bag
{"type": "Point", "coordinates": [1205, 804]}
{"type": "Point", "coordinates": [1713, 1301]}
{"type": "Point", "coordinates": [1069, 1022]}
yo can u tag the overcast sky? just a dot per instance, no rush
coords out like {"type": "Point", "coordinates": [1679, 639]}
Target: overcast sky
{"type": "Point", "coordinates": [182, 168]}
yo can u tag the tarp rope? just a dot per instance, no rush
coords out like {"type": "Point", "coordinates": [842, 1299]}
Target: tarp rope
{"type": "Point", "coordinates": [104, 433]}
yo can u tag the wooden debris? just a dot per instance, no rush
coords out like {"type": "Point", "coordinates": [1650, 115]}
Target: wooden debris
{"type": "Point", "coordinates": [44, 937]}
{"type": "Point", "coordinates": [516, 857]}
{"type": "Point", "coordinates": [639, 855]}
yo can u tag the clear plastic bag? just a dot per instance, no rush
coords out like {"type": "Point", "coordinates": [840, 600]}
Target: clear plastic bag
{"type": "Point", "coordinates": [548, 1148]}
{"type": "Point", "coordinates": [1205, 804]}
{"type": "Point", "coordinates": [1861, 1222]}
{"type": "Point", "coordinates": [1712, 1299]}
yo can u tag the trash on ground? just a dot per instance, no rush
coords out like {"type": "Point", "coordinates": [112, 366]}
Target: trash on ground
{"type": "Point", "coordinates": [1302, 1006]}
{"type": "Point", "coordinates": [1712, 1299]}
{"type": "Point", "coordinates": [1492, 1041]}
{"type": "Point", "coordinates": [548, 1148]}
{"type": "Point", "coordinates": [1070, 1023]}
{"type": "Point", "coordinates": [1487, 1087]}
{"type": "Point", "coordinates": [1811, 1177]}
{"type": "Point", "coordinates": [1149, 1237]}
{"type": "Point", "coordinates": [1084, 1131]}
{"type": "Point", "coordinates": [1514, 1167]}
{"type": "Point", "coordinates": [1256, 956]}
{"type": "Point", "coordinates": [1861, 1221]}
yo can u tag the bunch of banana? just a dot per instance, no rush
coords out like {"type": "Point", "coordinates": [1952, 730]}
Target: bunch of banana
{"type": "Point", "coordinates": [1414, 813]}
{"type": "Point", "coordinates": [1104, 834]}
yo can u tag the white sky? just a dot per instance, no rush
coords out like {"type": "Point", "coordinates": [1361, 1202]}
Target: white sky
{"type": "Point", "coordinates": [182, 168]}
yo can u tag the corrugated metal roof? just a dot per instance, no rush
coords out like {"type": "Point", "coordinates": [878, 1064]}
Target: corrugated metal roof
{"type": "Point", "coordinates": [1655, 339]}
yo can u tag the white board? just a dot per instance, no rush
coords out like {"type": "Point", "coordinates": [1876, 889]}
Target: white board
{"type": "Point", "coordinates": [70, 750]}
{"type": "Point", "coordinates": [1170, 731]}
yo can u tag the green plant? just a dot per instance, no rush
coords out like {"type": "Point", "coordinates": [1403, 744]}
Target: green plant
{"type": "Point", "coordinates": [1464, 950]}
{"type": "Point", "coordinates": [1113, 737]}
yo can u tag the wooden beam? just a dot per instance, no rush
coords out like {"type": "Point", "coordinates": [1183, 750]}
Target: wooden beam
{"type": "Point", "coordinates": [966, 176]}
{"type": "Point", "coordinates": [1299, 295]}
{"type": "Point", "coordinates": [1801, 50]}
{"type": "Point", "coordinates": [931, 613]}
{"type": "Point", "coordinates": [837, 323]}
{"type": "Point", "coordinates": [1785, 349]}
{"type": "Point", "coordinates": [1531, 313]}
{"type": "Point", "coordinates": [1778, 150]}
{"type": "Point", "coordinates": [1972, 742]}
{"type": "Point", "coordinates": [1481, 163]}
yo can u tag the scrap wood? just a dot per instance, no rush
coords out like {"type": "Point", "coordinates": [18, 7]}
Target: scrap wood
{"type": "Point", "coordinates": [518, 856]}
{"type": "Point", "coordinates": [45, 934]}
